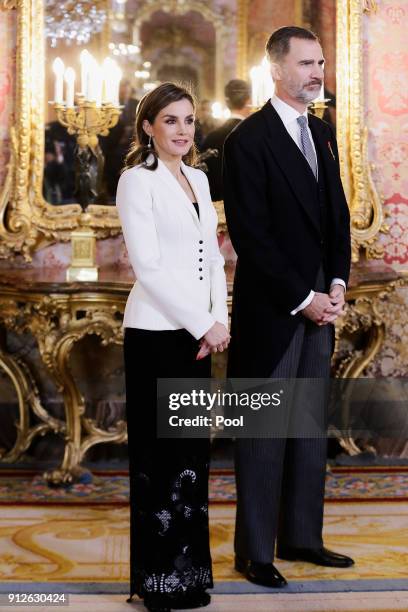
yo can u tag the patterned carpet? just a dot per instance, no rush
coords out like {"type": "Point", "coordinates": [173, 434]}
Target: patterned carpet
{"type": "Point", "coordinates": [342, 484]}
{"type": "Point", "coordinates": [77, 539]}
{"type": "Point", "coordinates": [86, 550]}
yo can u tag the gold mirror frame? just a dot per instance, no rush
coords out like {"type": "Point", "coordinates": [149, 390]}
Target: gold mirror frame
{"type": "Point", "coordinates": [366, 211]}
{"type": "Point", "coordinates": [30, 223]}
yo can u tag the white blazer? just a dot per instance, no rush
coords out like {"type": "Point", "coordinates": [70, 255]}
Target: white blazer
{"type": "Point", "coordinates": [174, 254]}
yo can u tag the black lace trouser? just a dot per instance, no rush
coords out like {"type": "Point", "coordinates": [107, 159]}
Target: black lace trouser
{"type": "Point", "coordinates": [169, 538]}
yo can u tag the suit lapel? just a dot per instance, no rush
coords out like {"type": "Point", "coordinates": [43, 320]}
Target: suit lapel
{"type": "Point", "coordinates": [292, 163]}
{"type": "Point", "coordinates": [324, 146]}
{"type": "Point", "coordinates": [199, 198]}
{"type": "Point", "coordinates": [179, 194]}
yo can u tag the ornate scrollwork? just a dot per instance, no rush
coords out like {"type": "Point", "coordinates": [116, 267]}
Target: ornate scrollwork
{"type": "Point", "coordinates": [242, 43]}
{"type": "Point", "coordinates": [369, 5]}
{"type": "Point", "coordinates": [58, 322]}
{"type": "Point", "coordinates": [367, 217]}
{"type": "Point", "coordinates": [6, 190]}
{"type": "Point", "coordinates": [28, 399]}
{"type": "Point", "coordinates": [31, 222]}
{"type": "Point", "coordinates": [365, 311]}
{"type": "Point", "coordinates": [9, 4]}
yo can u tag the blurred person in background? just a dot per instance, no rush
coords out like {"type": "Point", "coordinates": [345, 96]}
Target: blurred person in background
{"type": "Point", "coordinates": [237, 97]}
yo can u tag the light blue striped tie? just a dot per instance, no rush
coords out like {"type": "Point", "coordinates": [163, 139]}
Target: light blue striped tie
{"type": "Point", "coordinates": [307, 147]}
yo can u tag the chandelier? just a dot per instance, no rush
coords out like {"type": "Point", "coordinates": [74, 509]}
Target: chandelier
{"type": "Point", "coordinates": [123, 49]}
{"type": "Point", "coordinates": [73, 21]}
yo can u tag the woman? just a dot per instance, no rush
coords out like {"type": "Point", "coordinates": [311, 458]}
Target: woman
{"type": "Point", "coordinates": [175, 316]}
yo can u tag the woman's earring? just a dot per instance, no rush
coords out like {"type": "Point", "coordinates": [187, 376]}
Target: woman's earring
{"type": "Point", "coordinates": [150, 141]}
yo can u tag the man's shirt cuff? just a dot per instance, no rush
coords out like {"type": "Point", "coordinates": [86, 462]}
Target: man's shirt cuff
{"type": "Point", "coordinates": [338, 281]}
{"type": "Point", "coordinates": [305, 303]}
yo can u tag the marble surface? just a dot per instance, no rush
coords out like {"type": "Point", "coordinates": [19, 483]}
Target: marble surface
{"type": "Point", "coordinates": [111, 278]}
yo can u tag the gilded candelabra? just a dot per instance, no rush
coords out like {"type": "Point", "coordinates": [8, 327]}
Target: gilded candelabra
{"type": "Point", "coordinates": [86, 121]}
{"type": "Point", "coordinates": [317, 107]}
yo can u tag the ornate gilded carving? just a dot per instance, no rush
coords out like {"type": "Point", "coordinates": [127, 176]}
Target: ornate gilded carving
{"type": "Point", "coordinates": [15, 226]}
{"type": "Point", "coordinates": [369, 5]}
{"type": "Point", "coordinates": [28, 399]}
{"type": "Point", "coordinates": [31, 222]}
{"type": "Point", "coordinates": [58, 321]}
{"type": "Point", "coordinates": [87, 121]}
{"type": "Point", "coordinates": [222, 223]}
{"type": "Point", "coordinates": [366, 313]}
{"type": "Point", "coordinates": [367, 217]}
{"type": "Point", "coordinates": [9, 4]}
{"type": "Point", "coordinates": [242, 44]}
{"type": "Point", "coordinates": [299, 12]}
{"type": "Point", "coordinates": [8, 181]}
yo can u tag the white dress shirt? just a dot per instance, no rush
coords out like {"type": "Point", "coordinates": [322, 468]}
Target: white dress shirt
{"type": "Point", "coordinates": [289, 116]}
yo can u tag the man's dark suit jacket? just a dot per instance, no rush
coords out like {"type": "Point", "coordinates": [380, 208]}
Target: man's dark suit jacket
{"type": "Point", "coordinates": [215, 140]}
{"type": "Point", "coordinates": [270, 197]}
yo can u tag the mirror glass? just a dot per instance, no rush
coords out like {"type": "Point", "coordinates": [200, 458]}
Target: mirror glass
{"type": "Point", "coordinates": [193, 41]}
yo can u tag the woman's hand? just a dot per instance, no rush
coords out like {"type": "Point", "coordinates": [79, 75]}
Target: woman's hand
{"type": "Point", "coordinates": [215, 340]}
{"type": "Point", "coordinates": [217, 337]}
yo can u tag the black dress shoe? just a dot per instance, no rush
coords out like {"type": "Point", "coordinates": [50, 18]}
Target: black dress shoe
{"type": "Point", "coordinates": [264, 574]}
{"type": "Point", "coordinates": [318, 556]}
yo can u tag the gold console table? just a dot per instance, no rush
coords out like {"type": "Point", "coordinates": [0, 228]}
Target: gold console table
{"type": "Point", "coordinates": [59, 313]}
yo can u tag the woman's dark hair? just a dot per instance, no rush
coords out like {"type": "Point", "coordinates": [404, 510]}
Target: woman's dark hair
{"type": "Point", "coordinates": [148, 108]}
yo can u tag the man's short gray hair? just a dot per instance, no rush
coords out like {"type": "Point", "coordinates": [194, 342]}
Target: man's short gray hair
{"type": "Point", "coordinates": [278, 44]}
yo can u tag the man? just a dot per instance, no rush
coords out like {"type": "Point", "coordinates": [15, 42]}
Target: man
{"type": "Point", "coordinates": [289, 224]}
{"type": "Point", "coordinates": [205, 122]}
{"type": "Point", "coordinates": [237, 97]}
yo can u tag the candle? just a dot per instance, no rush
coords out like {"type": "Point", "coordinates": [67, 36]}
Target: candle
{"type": "Point", "coordinates": [84, 60]}
{"type": "Point", "coordinates": [58, 68]}
{"type": "Point", "coordinates": [117, 73]}
{"type": "Point", "coordinates": [98, 79]}
{"type": "Point", "coordinates": [321, 94]}
{"type": "Point", "coordinates": [92, 79]}
{"type": "Point", "coordinates": [254, 74]}
{"type": "Point", "coordinates": [216, 110]}
{"type": "Point", "coordinates": [108, 68]}
{"type": "Point", "coordinates": [70, 81]}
